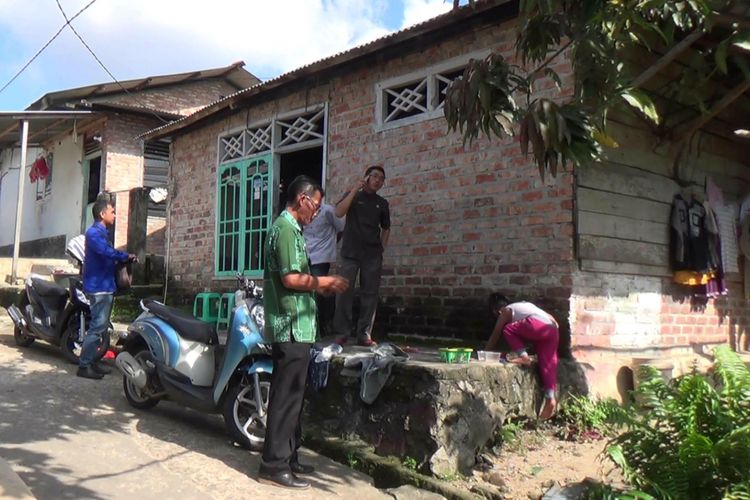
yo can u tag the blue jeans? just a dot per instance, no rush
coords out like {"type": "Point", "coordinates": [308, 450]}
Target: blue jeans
{"type": "Point", "coordinates": [101, 309]}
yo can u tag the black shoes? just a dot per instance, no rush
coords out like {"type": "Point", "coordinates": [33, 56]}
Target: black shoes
{"type": "Point", "coordinates": [101, 368]}
{"type": "Point", "coordinates": [299, 468]}
{"type": "Point", "coordinates": [283, 479]}
{"type": "Point", "coordinates": [89, 372]}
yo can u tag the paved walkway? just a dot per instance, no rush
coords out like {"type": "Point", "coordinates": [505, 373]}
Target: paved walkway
{"type": "Point", "coordinates": [68, 437]}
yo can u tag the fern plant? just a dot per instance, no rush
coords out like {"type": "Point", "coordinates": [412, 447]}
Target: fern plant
{"type": "Point", "coordinates": [690, 437]}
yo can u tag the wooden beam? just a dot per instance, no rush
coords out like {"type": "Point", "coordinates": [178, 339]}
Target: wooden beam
{"type": "Point", "coordinates": [726, 19]}
{"type": "Point", "coordinates": [667, 58]}
{"type": "Point", "coordinates": [93, 91]}
{"type": "Point", "coordinates": [41, 131]}
{"type": "Point", "coordinates": [142, 84]}
{"type": "Point", "coordinates": [722, 104]}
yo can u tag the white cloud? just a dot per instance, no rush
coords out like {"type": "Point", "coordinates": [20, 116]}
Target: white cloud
{"type": "Point", "coordinates": [137, 38]}
{"type": "Point", "coordinates": [416, 11]}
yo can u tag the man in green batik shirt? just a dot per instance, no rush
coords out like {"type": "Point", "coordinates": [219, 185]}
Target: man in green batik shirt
{"type": "Point", "coordinates": [291, 325]}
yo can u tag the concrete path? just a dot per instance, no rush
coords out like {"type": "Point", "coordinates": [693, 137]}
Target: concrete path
{"type": "Point", "coordinates": [68, 438]}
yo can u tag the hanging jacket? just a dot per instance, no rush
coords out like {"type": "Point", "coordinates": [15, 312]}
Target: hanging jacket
{"type": "Point", "coordinates": [690, 236]}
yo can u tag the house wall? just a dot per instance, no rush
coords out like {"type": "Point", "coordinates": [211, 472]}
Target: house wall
{"type": "Point", "coordinates": [624, 304]}
{"type": "Point", "coordinates": [55, 216]}
{"type": "Point", "coordinates": [466, 220]}
{"type": "Point", "coordinates": [182, 99]}
{"type": "Point", "coordinates": [123, 164]}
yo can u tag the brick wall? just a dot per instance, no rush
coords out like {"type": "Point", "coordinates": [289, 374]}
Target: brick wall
{"type": "Point", "coordinates": [466, 221]}
{"type": "Point", "coordinates": [632, 311]}
{"type": "Point", "coordinates": [156, 235]}
{"type": "Point", "coordinates": [181, 99]}
{"type": "Point", "coordinates": [123, 163]}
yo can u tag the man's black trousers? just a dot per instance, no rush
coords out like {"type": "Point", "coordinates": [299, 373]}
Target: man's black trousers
{"type": "Point", "coordinates": [283, 423]}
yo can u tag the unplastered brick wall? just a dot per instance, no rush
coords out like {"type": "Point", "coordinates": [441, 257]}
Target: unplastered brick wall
{"type": "Point", "coordinates": [155, 231]}
{"type": "Point", "coordinates": [624, 304]}
{"type": "Point", "coordinates": [123, 163]}
{"type": "Point", "coordinates": [180, 99]}
{"type": "Point", "coordinates": [466, 220]}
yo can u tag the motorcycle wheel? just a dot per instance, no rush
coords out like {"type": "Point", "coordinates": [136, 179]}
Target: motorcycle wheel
{"type": "Point", "coordinates": [135, 397]}
{"type": "Point", "coordinates": [246, 427]}
{"type": "Point", "coordinates": [71, 340]}
{"type": "Point", "coordinates": [21, 338]}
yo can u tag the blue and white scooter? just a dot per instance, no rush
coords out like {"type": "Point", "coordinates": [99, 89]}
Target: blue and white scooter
{"type": "Point", "coordinates": [169, 354]}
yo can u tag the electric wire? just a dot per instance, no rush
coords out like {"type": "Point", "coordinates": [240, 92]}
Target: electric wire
{"type": "Point", "coordinates": [91, 51]}
{"type": "Point", "coordinates": [45, 46]}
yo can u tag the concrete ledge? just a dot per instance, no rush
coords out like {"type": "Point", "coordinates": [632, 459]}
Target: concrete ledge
{"type": "Point", "coordinates": [439, 415]}
{"type": "Point", "coordinates": [387, 472]}
{"type": "Point", "coordinates": [11, 486]}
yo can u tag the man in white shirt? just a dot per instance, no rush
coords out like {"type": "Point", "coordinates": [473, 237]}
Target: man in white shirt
{"type": "Point", "coordinates": [321, 236]}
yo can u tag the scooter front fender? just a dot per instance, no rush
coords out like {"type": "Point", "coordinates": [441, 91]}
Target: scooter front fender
{"type": "Point", "coordinates": [242, 338]}
{"type": "Point", "coordinates": [263, 365]}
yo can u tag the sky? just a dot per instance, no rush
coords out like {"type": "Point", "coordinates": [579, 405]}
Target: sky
{"type": "Point", "coordinates": [139, 38]}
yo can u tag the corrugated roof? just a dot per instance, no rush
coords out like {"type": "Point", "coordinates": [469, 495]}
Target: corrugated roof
{"type": "Point", "coordinates": [234, 74]}
{"type": "Point", "coordinates": [42, 124]}
{"type": "Point", "coordinates": [479, 8]}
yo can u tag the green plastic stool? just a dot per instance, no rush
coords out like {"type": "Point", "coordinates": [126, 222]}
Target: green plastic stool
{"type": "Point", "coordinates": [206, 306]}
{"type": "Point", "coordinates": [226, 305]}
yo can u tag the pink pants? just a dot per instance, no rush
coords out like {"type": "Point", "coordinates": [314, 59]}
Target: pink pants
{"type": "Point", "coordinates": [544, 337]}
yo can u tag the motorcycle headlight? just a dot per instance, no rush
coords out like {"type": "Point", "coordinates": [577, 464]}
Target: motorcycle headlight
{"type": "Point", "coordinates": [258, 316]}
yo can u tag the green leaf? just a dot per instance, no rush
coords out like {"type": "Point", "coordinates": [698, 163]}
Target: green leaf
{"type": "Point", "coordinates": [742, 40]}
{"type": "Point", "coordinates": [720, 56]}
{"type": "Point", "coordinates": [642, 102]}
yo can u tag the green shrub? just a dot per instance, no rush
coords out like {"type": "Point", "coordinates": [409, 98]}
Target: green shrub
{"type": "Point", "coordinates": [593, 417]}
{"type": "Point", "coordinates": [689, 437]}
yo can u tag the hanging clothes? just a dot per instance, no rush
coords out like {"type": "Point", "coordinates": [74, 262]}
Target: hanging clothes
{"type": "Point", "coordinates": [691, 250]}
{"type": "Point", "coordinates": [39, 170]}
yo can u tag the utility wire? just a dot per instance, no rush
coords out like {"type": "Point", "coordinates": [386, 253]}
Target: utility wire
{"type": "Point", "coordinates": [46, 45]}
{"type": "Point", "coordinates": [91, 51]}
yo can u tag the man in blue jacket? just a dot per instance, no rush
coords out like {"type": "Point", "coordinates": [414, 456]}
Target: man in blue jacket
{"type": "Point", "coordinates": [99, 264]}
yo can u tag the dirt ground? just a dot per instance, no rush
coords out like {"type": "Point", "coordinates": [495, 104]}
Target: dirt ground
{"type": "Point", "coordinates": [535, 458]}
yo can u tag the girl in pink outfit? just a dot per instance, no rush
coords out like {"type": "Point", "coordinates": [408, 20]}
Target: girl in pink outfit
{"type": "Point", "coordinates": [522, 322]}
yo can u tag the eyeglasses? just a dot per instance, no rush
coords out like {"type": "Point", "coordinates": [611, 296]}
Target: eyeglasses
{"type": "Point", "coordinates": [315, 205]}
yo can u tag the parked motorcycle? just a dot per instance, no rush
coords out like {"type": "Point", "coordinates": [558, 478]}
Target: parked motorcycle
{"type": "Point", "coordinates": [169, 354]}
{"type": "Point", "coordinates": [50, 312]}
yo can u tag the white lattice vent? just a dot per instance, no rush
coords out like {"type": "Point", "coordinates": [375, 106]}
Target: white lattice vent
{"type": "Point", "coordinates": [405, 101]}
{"type": "Point", "coordinates": [302, 129]}
{"type": "Point", "coordinates": [257, 140]}
{"type": "Point", "coordinates": [231, 147]}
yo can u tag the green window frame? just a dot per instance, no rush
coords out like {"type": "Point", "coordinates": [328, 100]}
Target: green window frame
{"type": "Point", "coordinates": [243, 215]}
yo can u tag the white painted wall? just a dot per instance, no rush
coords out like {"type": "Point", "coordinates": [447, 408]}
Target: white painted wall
{"type": "Point", "coordinates": [59, 213]}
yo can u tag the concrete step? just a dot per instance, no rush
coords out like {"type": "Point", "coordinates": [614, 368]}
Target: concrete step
{"type": "Point", "coordinates": [11, 485]}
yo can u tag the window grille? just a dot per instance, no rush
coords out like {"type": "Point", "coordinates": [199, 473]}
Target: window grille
{"type": "Point", "coordinates": [416, 96]}
{"type": "Point", "coordinates": [232, 147]}
{"type": "Point", "coordinates": [257, 140]}
{"type": "Point", "coordinates": [405, 101]}
{"type": "Point", "coordinates": [442, 82]}
{"type": "Point", "coordinates": [304, 128]}
{"type": "Point", "coordinates": [243, 209]}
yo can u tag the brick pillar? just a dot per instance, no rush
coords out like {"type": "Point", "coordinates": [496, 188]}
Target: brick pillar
{"type": "Point", "coordinates": [137, 225]}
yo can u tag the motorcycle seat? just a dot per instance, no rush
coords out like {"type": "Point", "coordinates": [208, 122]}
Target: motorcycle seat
{"type": "Point", "coordinates": [186, 325]}
{"type": "Point", "coordinates": [48, 289]}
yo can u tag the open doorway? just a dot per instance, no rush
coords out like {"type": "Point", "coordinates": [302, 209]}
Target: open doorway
{"type": "Point", "coordinates": [303, 162]}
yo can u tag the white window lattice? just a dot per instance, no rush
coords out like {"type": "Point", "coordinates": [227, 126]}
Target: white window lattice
{"type": "Point", "coordinates": [405, 101]}
{"type": "Point", "coordinates": [257, 140]}
{"type": "Point", "coordinates": [442, 82]}
{"type": "Point", "coordinates": [417, 96]}
{"type": "Point", "coordinates": [303, 128]}
{"type": "Point", "coordinates": [231, 147]}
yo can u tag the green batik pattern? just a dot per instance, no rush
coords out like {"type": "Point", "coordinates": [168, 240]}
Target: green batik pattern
{"type": "Point", "coordinates": [290, 314]}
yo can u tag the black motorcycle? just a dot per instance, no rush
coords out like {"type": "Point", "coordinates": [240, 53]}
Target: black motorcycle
{"type": "Point", "coordinates": [58, 315]}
